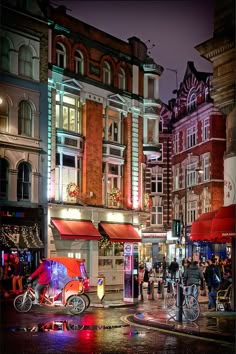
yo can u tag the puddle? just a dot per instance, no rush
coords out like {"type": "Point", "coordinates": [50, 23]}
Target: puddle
{"type": "Point", "coordinates": [62, 326]}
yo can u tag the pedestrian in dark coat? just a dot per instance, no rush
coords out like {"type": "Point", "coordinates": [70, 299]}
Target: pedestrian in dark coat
{"type": "Point", "coordinates": [193, 276]}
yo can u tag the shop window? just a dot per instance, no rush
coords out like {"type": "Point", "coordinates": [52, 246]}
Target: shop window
{"type": "Point", "coordinates": [4, 175]}
{"type": "Point", "coordinates": [25, 61]}
{"type": "Point", "coordinates": [24, 181]}
{"type": "Point", "coordinates": [25, 119]}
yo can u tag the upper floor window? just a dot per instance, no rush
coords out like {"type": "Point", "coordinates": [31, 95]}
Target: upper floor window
{"type": "Point", "coordinates": [24, 181]}
{"type": "Point", "coordinates": [206, 168]}
{"type": "Point", "coordinates": [191, 100]}
{"type": "Point", "coordinates": [121, 79]}
{"type": "Point", "coordinates": [191, 136]}
{"type": "Point", "coordinates": [4, 173]}
{"type": "Point", "coordinates": [68, 170]}
{"type": "Point", "coordinates": [112, 177]}
{"type": "Point", "coordinates": [25, 119]}
{"type": "Point", "coordinates": [4, 115]}
{"type": "Point", "coordinates": [206, 127]}
{"type": "Point", "coordinates": [106, 71]}
{"type": "Point", "coordinates": [156, 183]}
{"type": "Point", "coordinates": [5, 51]}
{"type": "Point", "coordinates": [157, 215]}
{"type": "Point", "coordinates": [151, 87]}
{"type": "Point", "coordinates": [160, 125]}
{"type": "Point", "coordinates": [176, 143]}
{"type": "Point", "coordinates": [61, 55]}
{"type": "Point", "coordinates": [25, 61]}
{"type": "Point", "coordinates": [112, 126]}
{"type": "Point", "coordinates": [191, 211]}
{"type": "Point", "coordinates": [68, 113]}
{"type": "Point", "coordinates": [191, 174]}
{"type": "Point", "coordinates": [79, 62]}
{"type": "Point", "coordinates": [176, 178]}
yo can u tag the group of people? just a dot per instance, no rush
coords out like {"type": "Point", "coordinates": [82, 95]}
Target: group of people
{"type": "Point", "coordinates": [216, 275]}
{"type": "Point", "coordinates": [12, 275]}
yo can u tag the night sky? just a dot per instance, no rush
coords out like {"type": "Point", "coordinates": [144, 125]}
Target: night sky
{"type": "Point", "coordinates": [174, 27]}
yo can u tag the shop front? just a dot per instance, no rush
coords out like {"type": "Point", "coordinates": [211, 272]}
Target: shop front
{"type": "Point", "coordinates": [21, 234]}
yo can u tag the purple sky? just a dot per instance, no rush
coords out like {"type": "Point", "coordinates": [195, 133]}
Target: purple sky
{"type": "Point", "coordinates": [175, 27]}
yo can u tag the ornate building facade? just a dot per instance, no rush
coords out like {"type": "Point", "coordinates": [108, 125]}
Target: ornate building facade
{"type": "Point", "coordinates": [23, 129]}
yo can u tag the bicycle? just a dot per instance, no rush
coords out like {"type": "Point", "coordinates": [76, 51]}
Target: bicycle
{"type": "Point", "coordinates": [190, 305]}
{"type": "Point", "coordinates": [24, 302]}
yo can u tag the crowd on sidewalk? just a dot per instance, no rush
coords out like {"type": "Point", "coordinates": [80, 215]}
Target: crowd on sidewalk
{"type": "Point", "coordinates": [209, 277]}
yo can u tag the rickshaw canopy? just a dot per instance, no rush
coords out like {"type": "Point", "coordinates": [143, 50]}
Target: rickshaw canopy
{"type": "Point", "coordinates": [72, 265]}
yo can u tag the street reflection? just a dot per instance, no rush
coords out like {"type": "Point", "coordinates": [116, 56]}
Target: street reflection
{"type": "Point", "coordinates": [63, 325]}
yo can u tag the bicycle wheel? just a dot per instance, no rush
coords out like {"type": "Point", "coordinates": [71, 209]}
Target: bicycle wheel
{"type": "Point", "coordinates": [170, 300]}
{"type": "Point", "coordinates": [76, 304]}
{"type": "Point", "coordinates": [191, 308]}
{"type": "Point", "coordinates": [22, 303]}
{"type": "Point", "coordinates": [86, 299]}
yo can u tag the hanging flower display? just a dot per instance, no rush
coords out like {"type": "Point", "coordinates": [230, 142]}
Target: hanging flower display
{"type": "Point", "coordinates": [147, 200]}
{"type": "Point", "coordinates": [115, 194]}
{"type": "Point", "coordinates": [73, 190]}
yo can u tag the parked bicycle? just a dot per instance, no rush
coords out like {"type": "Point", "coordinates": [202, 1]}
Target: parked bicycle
{"type": "Point", "coordinates": [190, 305]}
{"type": "Point", "coordinates": [71, 296]}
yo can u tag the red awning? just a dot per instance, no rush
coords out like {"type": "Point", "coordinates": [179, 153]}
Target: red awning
{"type": "Point", "coordinates": [76, 229]}
{"type": "Point", "coordinates": [201, 228]}
{"type": "Point", "coordinates": [224, 224]}
{"type": "Point", "coordinates": [121, 232]}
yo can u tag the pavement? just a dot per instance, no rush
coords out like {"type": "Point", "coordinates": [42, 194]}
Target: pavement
{"type": "Point", "coordinates": [216, 325]}
{"type": "Point", "coordinates": [153, 313]}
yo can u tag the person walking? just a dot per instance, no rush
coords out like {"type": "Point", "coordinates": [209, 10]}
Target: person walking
{"type": "Point", "coordinates": [43, 275]}
{"type": "Point", "coordinates": [164, 266]}
{"type": "Point", "coordinates": [173, 269]}
{"type": "Point", "coordinates": [193, 276]}
{"type": "Point", "coordinates": [213, 282]}
{"type": "Point", "coordinates": [17, 279]}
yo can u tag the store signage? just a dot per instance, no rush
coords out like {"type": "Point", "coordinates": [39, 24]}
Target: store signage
{"type": "Point", "coordinates": [12, 214]}
{"type": "Point", "coordinates": [154, 234]}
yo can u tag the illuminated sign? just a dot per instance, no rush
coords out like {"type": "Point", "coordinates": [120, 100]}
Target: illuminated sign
{"type": "Point", "coordinates": [13, 214]}
{"type": "Point", "coordinates": [154, 234]}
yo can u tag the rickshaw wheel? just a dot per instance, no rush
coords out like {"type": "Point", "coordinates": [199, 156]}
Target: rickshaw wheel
{"type": "Point", "coordinates": [22, 303]}
{"type": "Point", "coordinates": [86, 299]}
{"type": "Point", "coordinates": [76, 304]}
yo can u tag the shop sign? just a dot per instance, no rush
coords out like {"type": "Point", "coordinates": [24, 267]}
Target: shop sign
{"type": "Point", "coordinates": [13, 214]}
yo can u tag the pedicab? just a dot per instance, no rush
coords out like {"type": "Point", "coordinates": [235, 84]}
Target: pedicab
{"type": "Point", "coordinates": [69, 282]}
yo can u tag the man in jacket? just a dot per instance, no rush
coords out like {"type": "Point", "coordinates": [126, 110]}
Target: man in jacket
{"type": "Point", "coordinates": [173, 269]}
{"type": "Point", "coordinates": [193, 276]}
{"type": "Point", "coordinates": [43, 275]}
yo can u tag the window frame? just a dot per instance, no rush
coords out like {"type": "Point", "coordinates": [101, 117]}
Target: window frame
{"type": "Point", "coordinates": [4, 115]}
{"type": "Point", "coordinates": [4, 179]}
{"type": "Point", "coordinates": [24, 184]}
{"type": "Point", "coordinates": [61, 55]}
{"type": "Point", "coordinates": [121, 79]}
{"type": "Point", "coordinates": [25, 118]}
{"type": "Point", "coordinates": [79, 62]}
{"type": "Point", "coordinates": [25, 61]}
{"type": "Point", "coordinates": [106, 73]}
{"type": "Point", "coordinates": [157, 215]}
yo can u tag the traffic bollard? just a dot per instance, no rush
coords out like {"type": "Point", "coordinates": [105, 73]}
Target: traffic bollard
{"type": "Point", "coordinates": [179, 303]}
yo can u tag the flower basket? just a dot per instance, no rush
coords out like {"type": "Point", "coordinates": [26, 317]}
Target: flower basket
{"type": "Point", "coordinates": [73, 190]}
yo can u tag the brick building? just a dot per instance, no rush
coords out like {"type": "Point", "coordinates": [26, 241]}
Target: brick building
{"type": "Point", "coordinates": [104, 113]}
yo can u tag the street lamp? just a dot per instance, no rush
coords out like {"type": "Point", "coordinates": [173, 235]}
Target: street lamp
{"type": "Point", "coordinates": [199, 170]}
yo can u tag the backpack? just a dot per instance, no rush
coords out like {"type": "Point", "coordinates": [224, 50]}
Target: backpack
{"type": "Point", "coordinates": [215, 280]}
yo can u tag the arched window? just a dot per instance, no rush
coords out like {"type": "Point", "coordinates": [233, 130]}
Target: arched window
{"type": "Point", "coordinates": [5, 54]}
{"type": "Point", "coordinates": [61, 55]}
{"type": "Point", "coordinates": [121, 79]}
{"type": "Point", "coordinates": [79, 62]}
{"type": "Point", "coordinates": [192, 100]}
{"type": "Point", "coordinates": [24, 181]}
{"type": "Point", "coordinates": [4, 114]}
{"type": "Point", "coordinates": [4, 175]}
{"type": "Point", "coordinates": [25, 61]}
{"type": "Point", "coordinates": [25, 119]}
{"type": "Point", "coordinates": [106, 71]}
